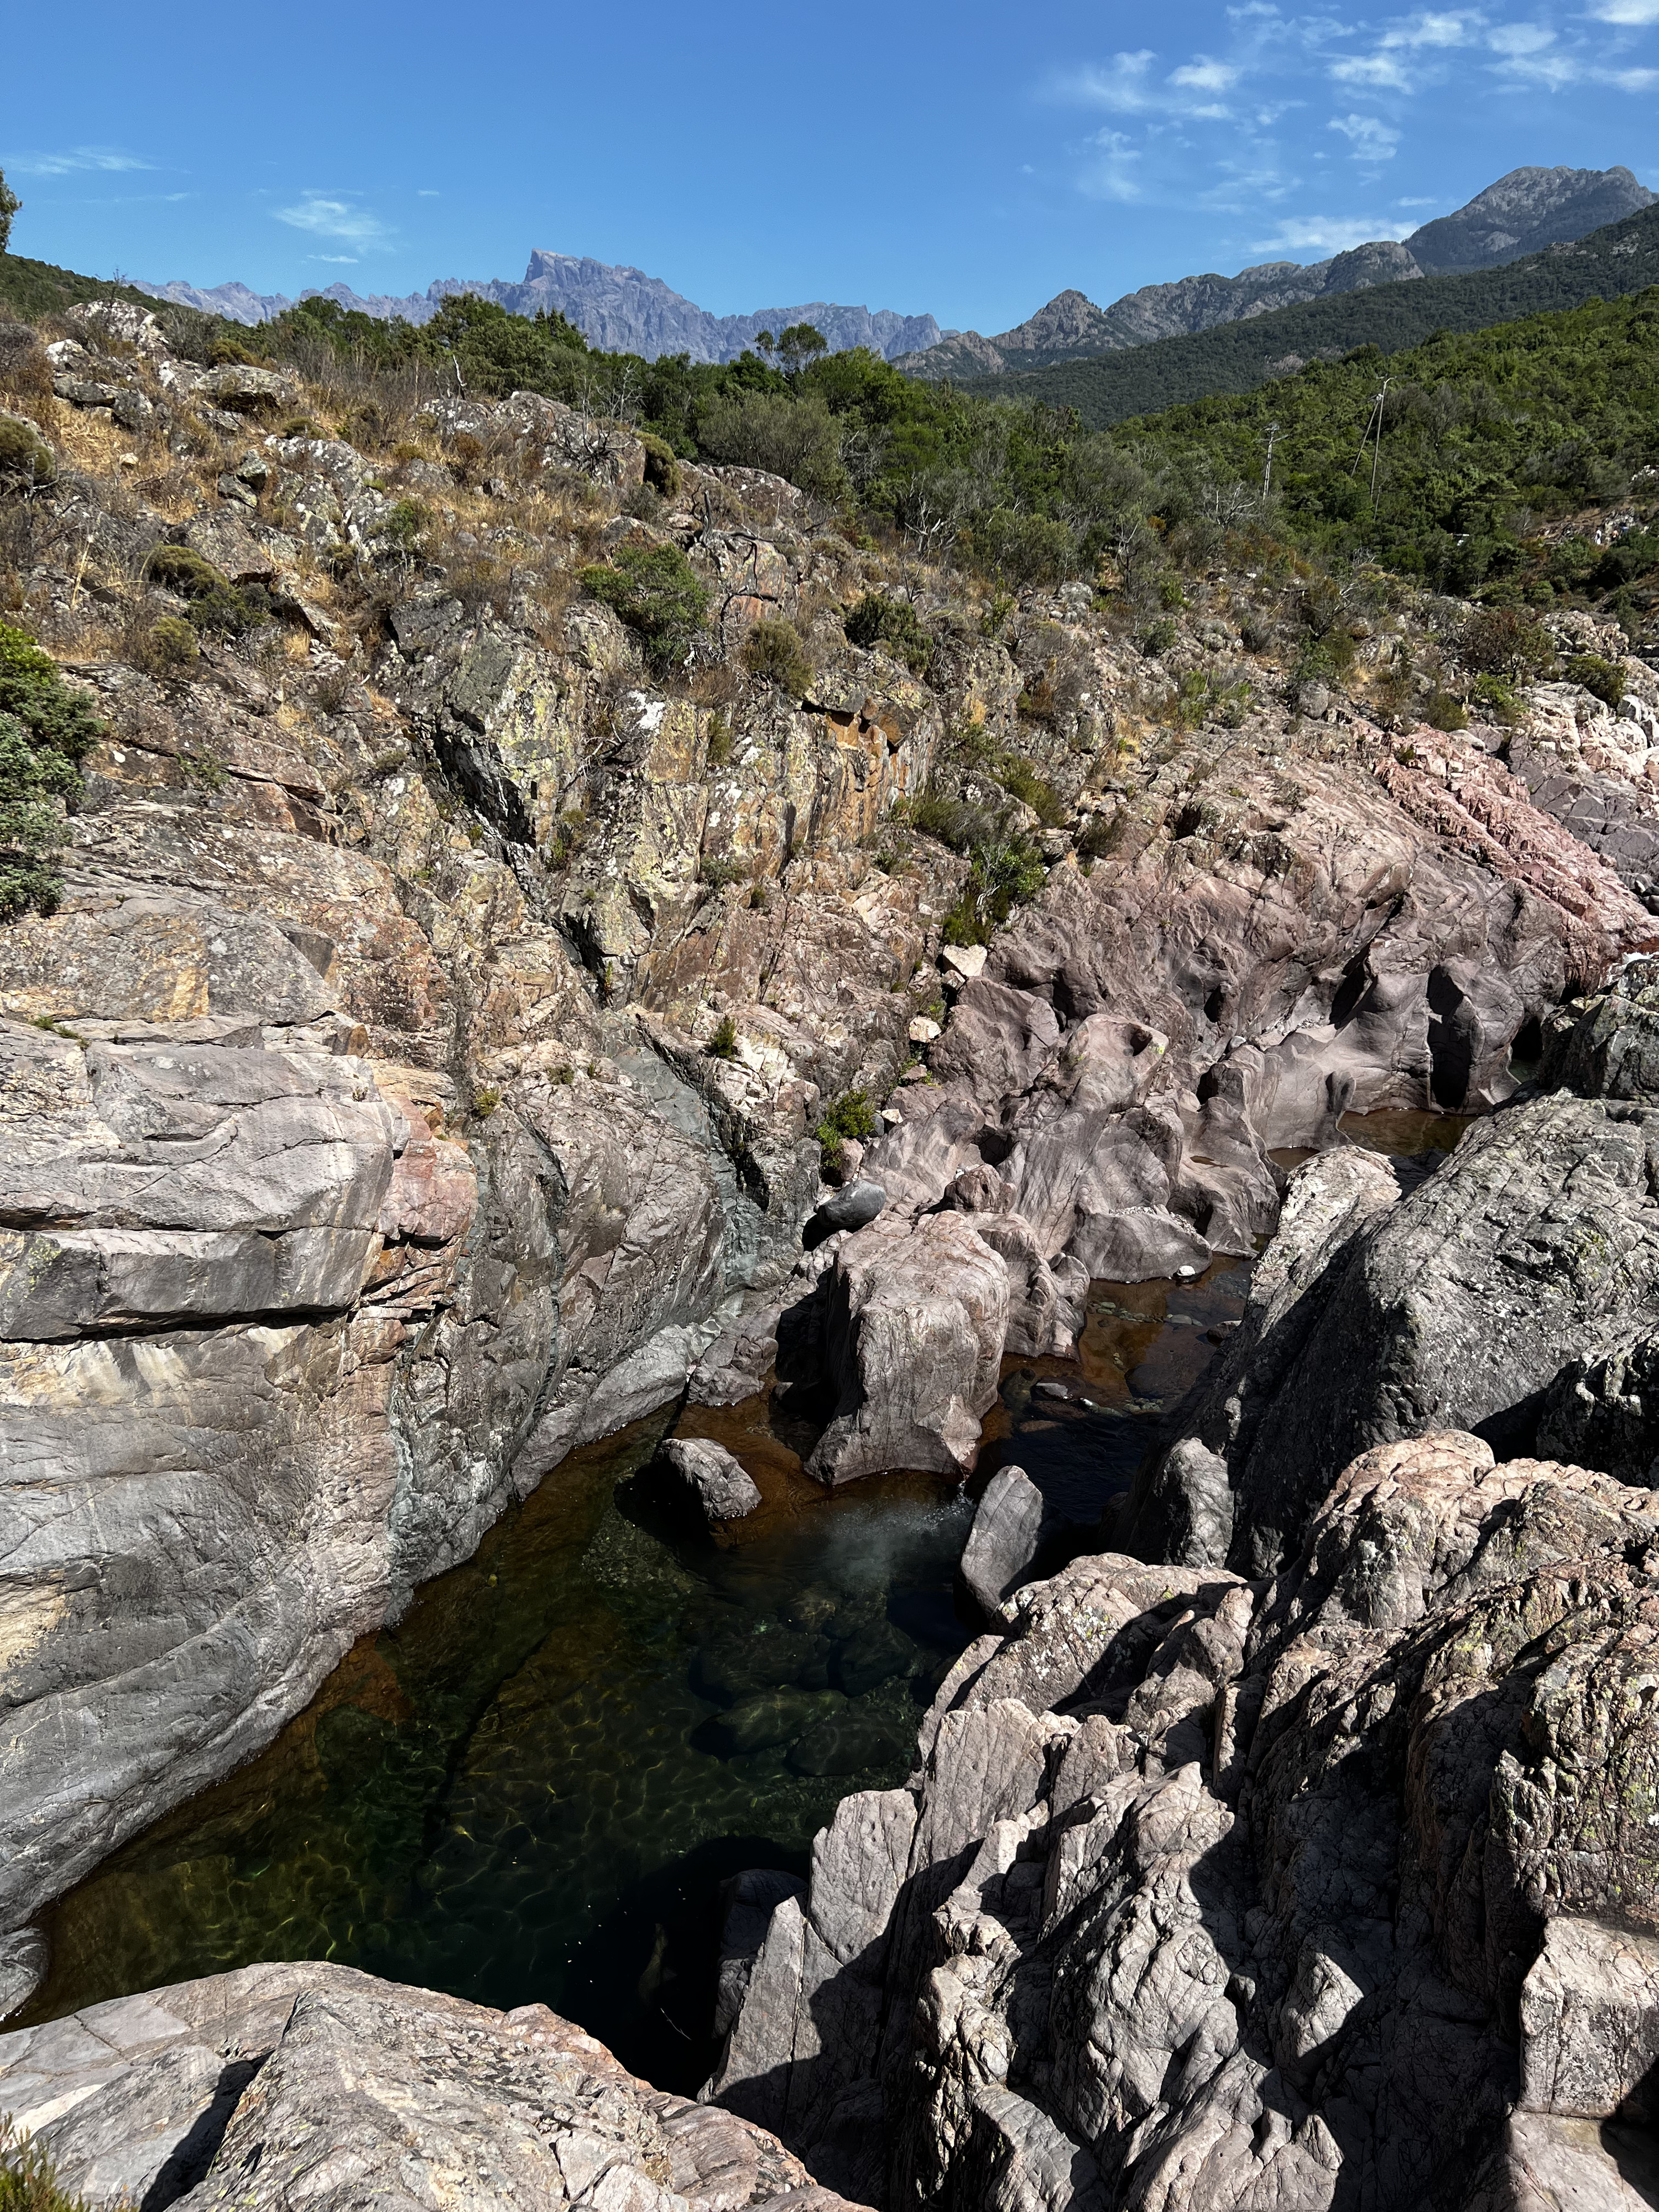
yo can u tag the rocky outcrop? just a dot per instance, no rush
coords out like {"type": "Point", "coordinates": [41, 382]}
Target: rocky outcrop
{"type": "Point", "coordinates": [315, 2084]}
{"type": "Point", "coordinates": [1210, 1892]}
{"type": "Point", "coordinates": [1461, 1306]}
{"type": "Point", "coordinates": [713, 1477]}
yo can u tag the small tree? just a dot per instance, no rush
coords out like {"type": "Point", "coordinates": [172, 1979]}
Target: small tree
{"type": "Point", "coordinates": [655, 591]}
{"type": "Point", "coordinates": [9, 204]}
{"type": "Point", "coordinates": [799, 344]}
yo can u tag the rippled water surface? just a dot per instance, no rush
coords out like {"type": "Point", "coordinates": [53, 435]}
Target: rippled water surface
{"type": "Point", "coordinates": [532, 1787]}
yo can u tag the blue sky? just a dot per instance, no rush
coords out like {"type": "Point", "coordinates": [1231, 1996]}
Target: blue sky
{"type": "Point", "coordinates": [969, 160]}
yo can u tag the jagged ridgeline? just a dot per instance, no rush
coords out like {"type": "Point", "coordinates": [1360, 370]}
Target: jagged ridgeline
{"type": "Point", "coordinates": [1611, 263]}
{"type": "Point", "coordinates": [1492, 450]}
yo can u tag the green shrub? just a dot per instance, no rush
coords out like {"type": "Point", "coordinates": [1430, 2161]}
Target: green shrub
{"type": "Point", "coordinates": [1020, 779]}
{"type": "Point", "coordinates": [662, 468]}
{"type": "Point", "coordinates": [791, 436]}
{"type": "Point", "coordinates": [1505, 641]}
{"type": "Point", "coordinates": [484, 1102]}
{"type": "Point", "coordinates": [168, 646]}
{"type": "Point", "coordinates": [1498, 701]}
{"type": "Point", "coordinates": [655, 591]}
{"type": "Point", "coordinates": [27, 461]}
{"type": "Point", "coordinates": [717, 872]}
{"type": "Point", "coordinates": [850, 1116]}
{"type": "Point", "coordinates": [1445, 712]}
{"type": "Point", "coordinates": [1158, 637]}
{"type": "Point", "coordinates": [773, 650]}
{"type": "Point", "coordinates": [877, 620]}
{"type": "Point", "coordinates": [45, 730]}
{"type": "Point", "coordinates": [719, 740]}
{"type": "Point", "coordinates": [28, 2178]}
{"type": "Point", "coordinates": [723, 1045]}
{"type": "Point", "coordinates": [405, 525]}
{"type": "Point", "coordinates": [1005, 871]}
{"type": "Point", "coordinates": [1602, 679]}
{"type": "Point", "coordinates": [215, 605]}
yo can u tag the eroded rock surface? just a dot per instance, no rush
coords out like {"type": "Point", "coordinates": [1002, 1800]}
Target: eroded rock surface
{"type": "Point", "coordinates": [1211, 1892]}
{"type": "Point", "coordinates": [282, 2085]}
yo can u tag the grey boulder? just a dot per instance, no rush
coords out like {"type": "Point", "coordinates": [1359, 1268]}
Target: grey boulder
{"type": "Point", "coordinates": [712, 1476]}
{"type": "Point", "coordinates": [281, 2084]}
{"type": "Point", "coordinates": [1009, 1528]}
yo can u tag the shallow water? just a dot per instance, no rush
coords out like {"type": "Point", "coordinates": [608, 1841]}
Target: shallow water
{"type": "Point", "coordinates": [532, 1787]}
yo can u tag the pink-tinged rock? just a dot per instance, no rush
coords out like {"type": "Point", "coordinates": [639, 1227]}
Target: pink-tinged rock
{"type": "Point", "coordinates": [918, 1315]}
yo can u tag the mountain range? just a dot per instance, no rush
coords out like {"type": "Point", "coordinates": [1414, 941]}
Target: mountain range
{"type": "Point", "coordinates": [1521, 214]}
{"type": "Point", "coordinates": [620, 309]}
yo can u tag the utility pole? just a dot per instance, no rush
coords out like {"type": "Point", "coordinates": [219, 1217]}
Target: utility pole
{"type": "Point", "coordinates": [1374, 420]}
{"type": "Point", "coordinates": [1377, 450]}
{"type": "Point", "coordinates": [1267, 466]}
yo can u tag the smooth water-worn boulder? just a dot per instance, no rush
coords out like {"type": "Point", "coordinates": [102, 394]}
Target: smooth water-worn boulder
{"type": "Point", "coordinates": [1009, 1526]}
{"type": "Point", "coordinates": [712, 1476]}
{"type": "Point", "coordinates": [916, 1317]}
{"type": "Point", "coordinates": [316, 2084]}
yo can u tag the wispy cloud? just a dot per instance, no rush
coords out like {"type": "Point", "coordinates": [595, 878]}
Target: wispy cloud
{"type": "Point", "coordinates": [327, 217]}
{"type": "Point", "coordinates": [1110, 175]}
{"type": "Point", "coordinates": [1371, 138]}
{"type": "Point", "coordinates": [1633, 13]}
{"type": "Point", "coordinates": [70, 160]}
{"type": "Point", "coordinates": [342, 260]}
{"type": "Point", "coordinates": [1322, 233]}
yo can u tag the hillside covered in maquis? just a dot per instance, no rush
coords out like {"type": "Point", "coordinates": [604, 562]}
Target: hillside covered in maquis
{"type": "Point", "coordinates": [1486, 440]}
{"type": "Point", "coordinates": [1113, 387]}
{"type": "Point", "coordinates": [1498, 450]}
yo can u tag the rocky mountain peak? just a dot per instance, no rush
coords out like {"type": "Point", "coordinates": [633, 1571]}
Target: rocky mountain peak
{"type": "Point", "coordinates": [1523, 212]}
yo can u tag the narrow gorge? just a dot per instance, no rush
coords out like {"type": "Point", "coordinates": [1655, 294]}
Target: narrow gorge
{"type": "Point", "coordinates": [871, 1336]}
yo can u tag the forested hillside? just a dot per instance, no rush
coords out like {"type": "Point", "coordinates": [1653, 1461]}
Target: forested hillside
{"type": "Point", "coordinates": [1234, 356]}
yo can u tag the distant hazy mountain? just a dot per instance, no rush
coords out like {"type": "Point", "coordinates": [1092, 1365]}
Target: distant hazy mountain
{"type": "Point", "coordinates": [623, 310]}
{"type": "Point", "coordinates": [1521, 214]}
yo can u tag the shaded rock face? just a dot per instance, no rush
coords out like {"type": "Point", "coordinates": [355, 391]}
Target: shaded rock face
{"type": "Point", "coordinates": [1460, 1305]}
{"type": "Point", "coordinates": [284, 2084]}
{"type": "Point", "coordinates": [1209, 1892]}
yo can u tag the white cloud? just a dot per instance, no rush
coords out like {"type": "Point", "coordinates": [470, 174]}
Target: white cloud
{"type": "Point", "coordinates": [1629, 12]}
{"type": "Point", "coordinates": [1517, 39]}
{"type": "Point", "coordinates": [1372, 140]}
{"type": "Point", "coordinates": [1380, 71]}
{"type": "Point", "coordinates": [344, 260]}
{"type": "Point", "coordinates": [1122, 86]}
{"type": "Point", "coordinates": [1328, 235]}
{"type": "Point", "coordinates": [335, 218]}
{"type": "Point", "coordinates": [1202, 75]}
{"type": "Point", "coordinates": [426, 193]}
{"type": "Point", "coordinates": [74, 158]}
{"type": "Point", "coordinates": [1431, 30]}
